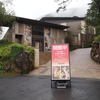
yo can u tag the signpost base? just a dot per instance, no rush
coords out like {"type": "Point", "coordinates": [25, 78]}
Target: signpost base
{"type": "Point", "coordinates": [60, 84]}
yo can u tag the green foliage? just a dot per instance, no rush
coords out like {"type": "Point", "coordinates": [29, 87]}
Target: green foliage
{"type": "Point", "coordinates": [93, 13]}
{"type": "Point", "coordinates": [8, 51]}
{"type": "Point", "coordinates": [1, 71]}
{"type": "Point", "coordinates": [2, 42]}
{"type": "Point", "coordinates": [84, 28]}
{"type": "Point", "coordinates": [97, 30]}
{"type": "Point", "coordinates": [87, 45]}
{"type": "Point", "coordinates": [32, 61]}
{"type": "Point", "coordinates": [76, 35]}
{"type": "Point", "coordinates": [6, 15]}
{"type": "Point", "coordinates": [97, 38]}
{"type": "Point", "coordinates": [1, 67]}
{"type": "Point", "coordinates": [69, 40]}
{"type": "Point", "coordinates": [29, 50]}
{"type": "Point", "coordinates": [9, 72]}
{"type": "Point", "coordinates": [13, 51]}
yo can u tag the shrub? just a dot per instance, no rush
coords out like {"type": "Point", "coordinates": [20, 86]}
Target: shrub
{"type": "Point", "coordinates": [87, 45]}
{"type": "Point", "coordinates": [1, 66]}
{"type": "Point", "coordinates": [8, 51]}
{"type": "Point", "coordinates": [69, 40]}
{"type": "Point", "coordinates": [97, 30]}
{"type": "Point", "coordinates": [76, 35]}
{"type": "Point", "coordinates": [97, 38]}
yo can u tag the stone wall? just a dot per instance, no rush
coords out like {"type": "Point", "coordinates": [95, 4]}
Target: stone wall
{"type": "Point", "coordinates": [95, 52]}
{"type": "Point", "coordinates": [44, 57]}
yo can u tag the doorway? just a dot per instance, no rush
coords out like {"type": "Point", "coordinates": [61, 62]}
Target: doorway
{"type": "Point", "coordinates": [38, 43]}
{"type": "Point", "coordinates": [18, 39]}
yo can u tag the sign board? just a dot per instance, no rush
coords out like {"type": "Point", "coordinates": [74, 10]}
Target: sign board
{"type": "Point", "coordinates": [60, 62]}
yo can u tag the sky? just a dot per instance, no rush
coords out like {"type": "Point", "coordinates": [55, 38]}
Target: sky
{"type": "Point", "coordinates": [34, 9]}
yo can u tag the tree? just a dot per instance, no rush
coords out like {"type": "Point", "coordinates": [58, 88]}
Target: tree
{"type": "Point", "coordinates": [97, 38]}
{"type": "Point", "coordinates": [62, 4]}
{"type": "Point", "coordinates": [6, 13]}
{"type": "Point", "coordinates": [97, 28]}
{"type": "Point", "coordinates": [93, 14]}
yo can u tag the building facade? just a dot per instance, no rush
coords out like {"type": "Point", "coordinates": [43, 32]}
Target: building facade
{"type": "Point", "coordinates": [35, 33]}
{"type": "Point", "coordinates": [78, 30]}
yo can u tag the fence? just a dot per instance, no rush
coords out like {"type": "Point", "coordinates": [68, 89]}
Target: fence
{"type": "Point", "coordinates": [81, 39]}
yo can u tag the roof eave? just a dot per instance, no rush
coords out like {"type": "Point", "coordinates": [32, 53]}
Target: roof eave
{"type": "Point", "coordinates": [39, 23]}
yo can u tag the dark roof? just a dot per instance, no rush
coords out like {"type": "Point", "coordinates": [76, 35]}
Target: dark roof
{"type": "Point", "coordinates": [40, 23]}
{"type": "Point", "coordinates": [62, 18]}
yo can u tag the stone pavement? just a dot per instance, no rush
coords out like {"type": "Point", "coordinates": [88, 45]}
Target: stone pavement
{"type": "Point", "coordinates": [82, 66]}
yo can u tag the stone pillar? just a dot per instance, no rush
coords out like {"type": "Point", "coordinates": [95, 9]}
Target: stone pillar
{"type": "Point", "coordinates": [82, 44]}
{"type": "Point", "coordinates": [36, 58]}
{"type": "Point", "coordinates": [79, 38]}
{"type": "Point", "coordinates": [16, 28]}
{"type": "Point", "coordinates": [37, 45]}
{"type": "Point", "coordinates": [13, 37]}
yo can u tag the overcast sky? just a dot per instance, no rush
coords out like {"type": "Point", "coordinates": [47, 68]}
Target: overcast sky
{"type": "Point", "coordinates": [36, 8]}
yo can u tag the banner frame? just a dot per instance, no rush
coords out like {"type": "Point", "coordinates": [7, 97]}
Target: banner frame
{"type": "Point", "coordinates": [54, 81]}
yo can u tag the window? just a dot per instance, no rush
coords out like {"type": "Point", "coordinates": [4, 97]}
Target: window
{"type": "Point", "coordinates": [37, 30]}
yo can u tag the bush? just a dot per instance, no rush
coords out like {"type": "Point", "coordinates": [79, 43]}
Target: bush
{"type": "Point", "coordinates": [69, 40]}
{"type": "Point", "coordinates": [97, 30]}
{"type": "Point", "coordinates": [1, 66]}
{"type": "Point", "coordinates": [76, 35]}
{"type": "Point", "coordinates": [8, 51]}
{"type": "Point", "coordinates": [87, 45]}
{"type": "Point", "coordinates": [97, 38]}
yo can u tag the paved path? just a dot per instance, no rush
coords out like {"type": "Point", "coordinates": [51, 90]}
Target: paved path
{"type": "Point", "coordinates": [82, 66]}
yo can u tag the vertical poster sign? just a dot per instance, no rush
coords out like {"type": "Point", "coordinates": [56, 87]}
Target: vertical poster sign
{"type": "Point", "coordinates": [60, 62]}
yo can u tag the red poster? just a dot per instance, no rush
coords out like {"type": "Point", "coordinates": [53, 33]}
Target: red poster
{"type": "Point", "coordinates": [60, 62]}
